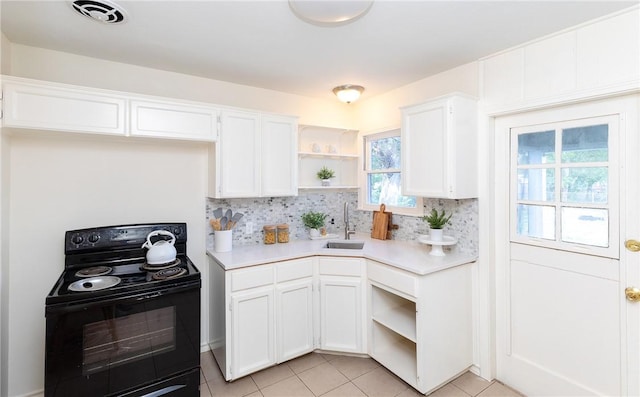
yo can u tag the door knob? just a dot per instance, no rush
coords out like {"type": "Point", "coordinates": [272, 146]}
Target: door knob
{"type": "Point", "coordinates": [632, 245]}
{"type": "Point", "coordinates": [632, 293]}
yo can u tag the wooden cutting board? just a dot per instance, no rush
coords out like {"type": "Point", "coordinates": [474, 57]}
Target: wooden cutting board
{"type": "Point", "coordinates": [380, 224]}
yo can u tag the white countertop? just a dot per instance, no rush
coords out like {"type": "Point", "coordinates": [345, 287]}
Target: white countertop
{"type": "Point", "coordinates": [407, 255]}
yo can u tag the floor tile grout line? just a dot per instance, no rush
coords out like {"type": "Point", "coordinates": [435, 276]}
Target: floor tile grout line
{"type": "Point", "coordinates": [465, 392]}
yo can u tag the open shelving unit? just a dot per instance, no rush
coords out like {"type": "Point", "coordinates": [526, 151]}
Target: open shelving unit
{"type": "Point", "coordinates": [394, 344]}
{"type": "Point", "coordinates": [335, 148]}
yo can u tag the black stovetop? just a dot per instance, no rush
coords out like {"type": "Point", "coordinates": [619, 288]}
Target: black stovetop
{"type": "Point", "coordinates": [118, 247]}
{"type": "Point", "coordinates": [134, 279]}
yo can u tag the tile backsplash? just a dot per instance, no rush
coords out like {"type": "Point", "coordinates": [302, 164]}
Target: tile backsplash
{"type": "Point", "coordinates": [276, 210]}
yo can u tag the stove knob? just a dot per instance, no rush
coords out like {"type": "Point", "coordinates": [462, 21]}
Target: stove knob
{"type": "Point", "coordinates": [177, 231]}
{"type": "Point", "coordinates": [94, 238]}
{"type": "Point", "coordinates": [78, 239]}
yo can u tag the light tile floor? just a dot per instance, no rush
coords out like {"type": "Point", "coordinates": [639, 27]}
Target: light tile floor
{"type": "Point", "coordinates": [329, 375]}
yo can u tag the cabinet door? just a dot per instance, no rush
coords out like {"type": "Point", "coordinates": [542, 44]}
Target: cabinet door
{"type": "Point", "coordinates": [279, 143]}
{"type": "Point", "coordinates": [341, 314]}
{"type": "Point", "coordinates": [173, 120]}
{"type": "Point", "coordinates": [253, 331]}
{"type": "Point", "coordinates": [50, 107]}
{"type": "Point", "coordinates": [439, 148]}
{"type": "Point", "coordinates": [424, 150]}
{"type": "Point", "coordinates": [294, 325]}
{"type": "Point", "coordinates": [239, 154]}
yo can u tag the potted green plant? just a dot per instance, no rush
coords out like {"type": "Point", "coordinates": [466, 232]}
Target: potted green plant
{"type": "Point", "coordinates": [436, 222]}
{"type": "Point", "coordinates": [325, 174]}
{"type": "Point", "coordinates": [314, 221]}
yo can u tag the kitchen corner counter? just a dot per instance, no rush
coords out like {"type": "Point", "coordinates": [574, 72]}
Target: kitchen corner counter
{"type": "Point", "coordinates": [406, 255]}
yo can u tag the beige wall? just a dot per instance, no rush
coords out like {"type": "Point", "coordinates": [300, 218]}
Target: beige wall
{"type": "Point", "coordinates": [42, 64]}
{"type": "Point", "coordinates": [63, 182]}
{"type": "Point", "coordinates": [382, 111]}
{"type": "Point", "coordinates": [5, 55]}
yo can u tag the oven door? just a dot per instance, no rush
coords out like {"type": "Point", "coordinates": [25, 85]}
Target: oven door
{"type": "Point", "coordinates": [118, 345]}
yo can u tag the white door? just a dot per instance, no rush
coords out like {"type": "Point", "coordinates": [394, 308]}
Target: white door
{"type": "Point", "coordinates": [569, 179]}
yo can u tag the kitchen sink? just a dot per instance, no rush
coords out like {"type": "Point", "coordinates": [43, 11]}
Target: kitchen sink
{"type": "Point", "coordinates": [345, 245]}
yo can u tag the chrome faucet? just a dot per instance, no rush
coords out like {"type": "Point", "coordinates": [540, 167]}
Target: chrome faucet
{"type": "Point", "coordinates": [347, 232]}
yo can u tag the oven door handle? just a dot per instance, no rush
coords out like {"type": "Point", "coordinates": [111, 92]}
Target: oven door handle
{"type": "Point", "coordinates": [164, 391]}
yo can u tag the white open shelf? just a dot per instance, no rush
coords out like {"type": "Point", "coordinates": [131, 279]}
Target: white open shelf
{"type": "Point", "coordinates": [396, 353]}
{"type": "Point", "coordinates": [335, 148]}
{"type": "Point", "coordinates": [401, 320]}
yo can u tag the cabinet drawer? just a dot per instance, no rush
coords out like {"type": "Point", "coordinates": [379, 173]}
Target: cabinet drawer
{"type": "Point", "coordinates": [392, 278]}
{"type": "Point", "coordinates": [341, 266]}
{"type": "Point", "coordinates": [251, 278]}
{"type": "Point", "coordinates": [295, 269]}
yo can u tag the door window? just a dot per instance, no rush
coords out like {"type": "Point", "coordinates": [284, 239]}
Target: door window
{"type": "Point", "coordinates": [562, 185]}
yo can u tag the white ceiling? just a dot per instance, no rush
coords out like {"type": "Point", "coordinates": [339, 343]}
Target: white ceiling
{"type": "Point", "coordinates": [262, 44]}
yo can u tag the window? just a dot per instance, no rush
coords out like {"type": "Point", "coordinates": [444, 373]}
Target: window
{"type": "Point", "coordinates": [382, 177]}
{"type": "Point", "coordinates": [563, 184]}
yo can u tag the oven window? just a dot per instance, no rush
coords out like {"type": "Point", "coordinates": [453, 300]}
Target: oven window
{"type": "Point", "coordinates": [121, 340]}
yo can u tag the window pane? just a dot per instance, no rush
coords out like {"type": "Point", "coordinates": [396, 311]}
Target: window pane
{"type": "Point", "coordinates": [385, 153]}
{"type": "Point", "coordinates": [585, 144]}
{"type": "Point", "coordinates": [585, 185]}
{"type": "Point", "coordinates": [385, 188]}
{"type": "Point", "coordinates": [536, 221]}
{"type": "Point", "coordinates": [585, 226]}
{"type": "Point", "coordinates": [537, 147]}
{"type": "Point", "coordinates": [536, 184]}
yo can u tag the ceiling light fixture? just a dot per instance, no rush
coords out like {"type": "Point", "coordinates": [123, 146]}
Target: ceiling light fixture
{"type": "Point", "coordinates": [329, 13]}
{"type": "Point", "coordinates": [348, 93]}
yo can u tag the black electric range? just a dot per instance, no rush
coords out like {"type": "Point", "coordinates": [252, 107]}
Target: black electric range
{"type": "Point", "coordinates": [118, 326]}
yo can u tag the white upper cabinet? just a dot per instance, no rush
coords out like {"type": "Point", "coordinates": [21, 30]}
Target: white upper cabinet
{"type": "Point", "coordinates": [279, 143]}
{"type": "Point", "coordinates": [45, 106]}
{"type": "Point", "coordinates": [439, 144]}
{"type": "Point", "coordinates": [596, 59]}
{"type": "Point", "coordinates": [239, 154]}
{"type": "Point", "coordinates": [254, 156]}
{"type": "Point", "coordinates": [42, 105]}
{"type": "Point", "coordinates": [173, 120]}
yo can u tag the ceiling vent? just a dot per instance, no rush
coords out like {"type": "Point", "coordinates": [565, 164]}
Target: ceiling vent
{"type": "Point", "coordinates": [102, 11]}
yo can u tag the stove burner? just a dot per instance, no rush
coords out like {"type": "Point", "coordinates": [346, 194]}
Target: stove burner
{"type": "Point", "coordinates": [94, 283]}
{"type": "Point", "coordinates": [94, 271]}
{"type": "Point", "coordinates": [169, 273]}
{"type": "Point", "coordinates": [162, 266]}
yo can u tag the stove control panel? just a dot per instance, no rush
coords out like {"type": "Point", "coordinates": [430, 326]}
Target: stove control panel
{"type": "Point", "coordinates": [119, 237]}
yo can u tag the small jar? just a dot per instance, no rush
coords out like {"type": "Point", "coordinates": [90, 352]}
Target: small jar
{"type": "Point", "coordinates": [269, 234]}
{"type": "Point", "coordinates": [283, 233]}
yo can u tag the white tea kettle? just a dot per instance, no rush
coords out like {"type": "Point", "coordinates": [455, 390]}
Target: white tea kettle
{"type": "Point", "coordinates": [161, 251]}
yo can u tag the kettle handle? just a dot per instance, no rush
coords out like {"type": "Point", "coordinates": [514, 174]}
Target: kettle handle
{"type": "Point", "coordinates": [148, 243]}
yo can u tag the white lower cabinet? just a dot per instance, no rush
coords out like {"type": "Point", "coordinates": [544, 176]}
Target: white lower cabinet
{"type": "Point", "coordinates": [264, 315]}
{"type": "Point", "coordinates": [417, 326]}
{"type": "Point", "coordinates": [294, 308]}
{"type": "Point", "coordinates": [253, 331]}
{"type": "Point", "coordinates": [420, 326]}
{"type": "Point", "coordinates": [342, 311]}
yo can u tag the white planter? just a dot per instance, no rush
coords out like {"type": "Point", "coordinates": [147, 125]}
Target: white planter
{"type": "Point", "coordinates": [435, 234]}
{"type": "Point", "coordinates": [326, 182]}
{"type": "Point", "coordinates": [314, 232]}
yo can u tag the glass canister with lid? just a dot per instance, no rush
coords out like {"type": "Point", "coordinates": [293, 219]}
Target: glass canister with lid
{"type": "Point", "coordinates": [283, 233]}
{"type": "Point", "coordinates": [269, 234]}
